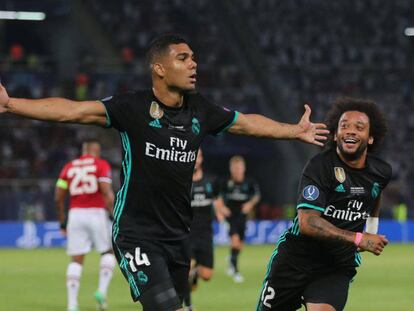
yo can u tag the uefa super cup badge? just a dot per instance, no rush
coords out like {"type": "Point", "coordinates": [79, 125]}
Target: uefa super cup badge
{"type": "Point", "coordinates": [156, 111]}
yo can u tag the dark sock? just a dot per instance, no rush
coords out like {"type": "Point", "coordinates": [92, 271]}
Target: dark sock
{"type": "Point", "coordinates": [187, 296]}
{"type": "Point", "coordinates": [233, 259]}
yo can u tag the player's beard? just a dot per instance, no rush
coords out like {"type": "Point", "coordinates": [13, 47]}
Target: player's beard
{"type": "Point", "coordinates": [354, 155]}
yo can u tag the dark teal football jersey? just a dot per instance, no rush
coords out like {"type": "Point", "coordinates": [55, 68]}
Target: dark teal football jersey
{"type": "Point", "coordinates": [160, 146]}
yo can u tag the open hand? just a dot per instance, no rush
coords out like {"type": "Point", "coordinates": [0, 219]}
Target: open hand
{"type": "Point", "coordinates": [313, 133]}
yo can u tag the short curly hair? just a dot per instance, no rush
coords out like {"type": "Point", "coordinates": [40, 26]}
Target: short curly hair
{"type": "Point", "coordinates": [377, 122]}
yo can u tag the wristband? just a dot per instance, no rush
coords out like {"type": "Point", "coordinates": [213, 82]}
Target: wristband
{"type": "Point", "coordinates": [358, 238]}
{"type": "Point", "coordinates": [372, 225]}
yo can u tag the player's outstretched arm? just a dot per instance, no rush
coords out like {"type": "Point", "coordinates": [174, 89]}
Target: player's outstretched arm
{"type": "Point", "coordinates": [260, 126]}
{"type": "Point", "coordinates": [54, 109]}
{"type": "Point", "coordinates": [312, 224]}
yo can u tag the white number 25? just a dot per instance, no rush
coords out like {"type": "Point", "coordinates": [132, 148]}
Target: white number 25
{"type": "Point", "coordinates": [84, 180]}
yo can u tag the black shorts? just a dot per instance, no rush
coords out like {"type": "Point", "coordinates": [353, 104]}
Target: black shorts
{"type": "Point", "coordinates": [157, 272]}
{"type": "Point", "coordinates": [237, 225]}
{"type": "Point", "coordinates": [202, 250]}
{"type": "Point", "coordinates": [286, 286]}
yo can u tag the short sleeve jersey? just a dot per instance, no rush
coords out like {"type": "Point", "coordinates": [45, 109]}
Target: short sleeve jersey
{"type": "Point", "coordinates": [345, 196]}
{"type": "Point", "coordinates": [236, 194]}
{"type": "Point", "coordinates": [160, 146]}
{"type": "Point", "coordinates": [81, 177]}
{"type": "Point", "coordinates": [203, 194]}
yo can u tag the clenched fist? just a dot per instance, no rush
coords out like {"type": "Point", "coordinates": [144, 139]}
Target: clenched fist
{"type": "Point", "coordinates": [373, 243]}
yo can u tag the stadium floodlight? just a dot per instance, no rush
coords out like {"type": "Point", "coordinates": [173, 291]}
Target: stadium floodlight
{"type": "Point", "coordinates": [22, 15]}
{"type": "Point", "coordinates": [409, 31]}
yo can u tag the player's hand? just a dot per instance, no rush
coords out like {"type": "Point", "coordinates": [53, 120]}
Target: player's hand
{"type": "Point", "coordinates": [222, 213]}
{"type": "Point", "coordinates": [313, 133]}
{"type": "Point", "coordinates": [63, 232]}
{"type": "Point", "coordinates": [225, 211]}
{"type": "Point", "coordinates": [220, 217]}
{"type": "Point", "coordinates": [4, 99]}
{"type": "Point", "coordinates": [373, 243]}
{"type": "Point", "coordinates": [246, 208]}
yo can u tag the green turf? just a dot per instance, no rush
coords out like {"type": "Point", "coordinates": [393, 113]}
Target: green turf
{"type": "Point", "coordinates": [34, 280]}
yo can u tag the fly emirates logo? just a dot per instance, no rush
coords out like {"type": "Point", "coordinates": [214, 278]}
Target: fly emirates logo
{"type": "Point", "coordinates": [175, 153]}
{"type": "Point", "coordinates": [352, 213]}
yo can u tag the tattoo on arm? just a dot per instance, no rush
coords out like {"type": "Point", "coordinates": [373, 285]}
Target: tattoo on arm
{"type": "Point", "coordinates": [320, 228]}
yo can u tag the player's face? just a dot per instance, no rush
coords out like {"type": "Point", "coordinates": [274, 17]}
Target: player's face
{"type": "Point", "coordinates": [237, 170]}
{"type": "Point", "coordinates": [180, 68]}
{"type": "Point", "coordinates": [352, 136]}
{"type": "Point", "coordinates": [92, 148]}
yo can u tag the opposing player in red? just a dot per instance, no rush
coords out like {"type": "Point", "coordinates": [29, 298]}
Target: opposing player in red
{"type": "Point", "coordinates": [88, 180]}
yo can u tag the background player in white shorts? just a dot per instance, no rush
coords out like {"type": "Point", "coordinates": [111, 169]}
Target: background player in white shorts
{"type": "Point", "coordinates": [89, 182]}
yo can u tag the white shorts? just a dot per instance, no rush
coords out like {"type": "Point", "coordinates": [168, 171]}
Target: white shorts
{"type": "Point", "coordinates": [88, 227]}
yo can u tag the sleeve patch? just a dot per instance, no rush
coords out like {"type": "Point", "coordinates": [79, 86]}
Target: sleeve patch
{"type": "Point", "coordinates": [310, 193]}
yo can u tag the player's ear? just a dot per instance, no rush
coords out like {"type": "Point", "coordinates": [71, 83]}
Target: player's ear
{"type": "Point", "coordinates": [334, 136]}
{"type": "Point", "coordinates": [370, 140]}
{"type": "Point", "coordinates": [158, 69]}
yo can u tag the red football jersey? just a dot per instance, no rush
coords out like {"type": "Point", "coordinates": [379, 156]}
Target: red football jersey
{"type": "Point", "coordinates": [82, 176]}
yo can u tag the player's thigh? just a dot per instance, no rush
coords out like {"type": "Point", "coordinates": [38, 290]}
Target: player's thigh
{"type": "Point", "coordinates": [145, 267]}
{"type": "Point", "coordinates": [283, 285]}
{"type": "Point", "coordinates": [78, 235]}
{"type": "Point", "coordinates": [331, 289]}
{"type": "Point", "coordinates": [319, 307]}
{"type": "Point", "coordinates": [233, 225]}
{"type": "Point", "coordinates": [179, 258]}
{"type": "Point", "coordinates": [179, 276]}
{"type": "Point", "coordinates": [100, 230]}
{"type": "Point", "coordinates": [204, 254]}
{"type": "Point", "coordinates": [241, 226]}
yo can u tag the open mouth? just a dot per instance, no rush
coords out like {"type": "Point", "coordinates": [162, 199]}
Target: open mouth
{"type": "Point", "coordinates": [193, 77]}
{"type": "Point", "coordinates": [350, 142]}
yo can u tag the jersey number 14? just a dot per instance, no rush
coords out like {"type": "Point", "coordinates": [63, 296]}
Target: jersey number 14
{"type": "Point", "coordinates": [138, 260]}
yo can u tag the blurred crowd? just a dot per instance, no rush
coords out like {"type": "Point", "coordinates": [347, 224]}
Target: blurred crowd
{"type": "Point", "coordinates": [321, 50]}
{"type": "Point", "coordinates": [314, 50]}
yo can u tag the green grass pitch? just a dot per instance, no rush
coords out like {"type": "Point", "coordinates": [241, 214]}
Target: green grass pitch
{"type": "Point", "coordinates": [34, 280]}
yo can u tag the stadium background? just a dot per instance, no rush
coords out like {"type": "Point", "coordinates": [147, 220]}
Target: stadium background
{"type": "Point", "coordinates": [264, 56]}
